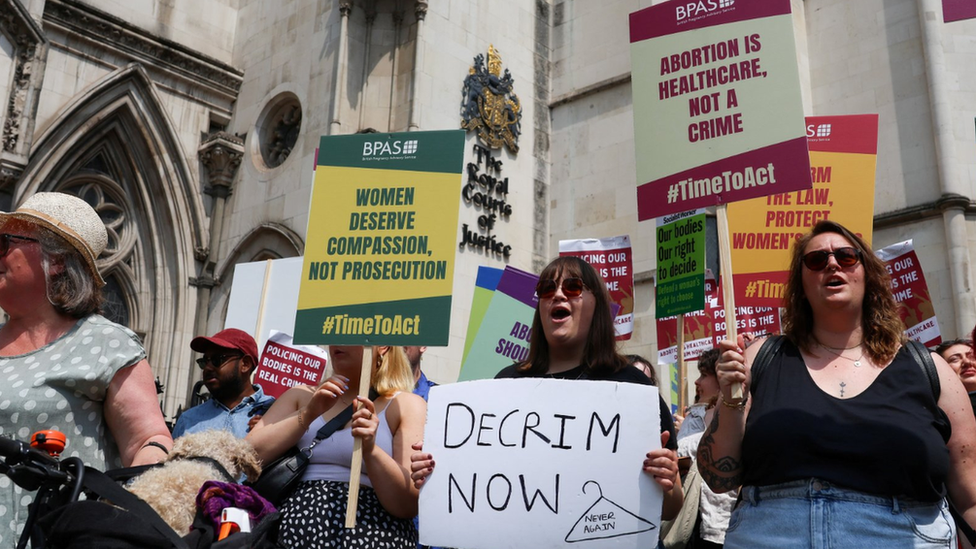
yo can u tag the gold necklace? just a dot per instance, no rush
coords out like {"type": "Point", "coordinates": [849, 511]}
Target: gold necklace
{"type": "Point", "coordinates": [857, 362]}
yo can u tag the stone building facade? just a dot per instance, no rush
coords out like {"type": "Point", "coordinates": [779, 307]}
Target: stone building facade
{"type": "Point", "coordinates": [192, 126]}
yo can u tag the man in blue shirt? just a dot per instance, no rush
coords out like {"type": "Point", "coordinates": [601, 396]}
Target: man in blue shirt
{"type": "Point", "coordinates": [229, 358]}
{"type": "Point", "coordinates": [422, 385]}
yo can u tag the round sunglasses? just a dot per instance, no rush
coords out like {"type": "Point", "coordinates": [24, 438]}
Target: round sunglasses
{"type": "Point", "coordinates": [845, 257]}
{"type": "Point", "coordinates": [572, 287]}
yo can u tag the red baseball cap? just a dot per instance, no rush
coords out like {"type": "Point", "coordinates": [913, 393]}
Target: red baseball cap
{"type": "Point", "coordinates": [231, 338]}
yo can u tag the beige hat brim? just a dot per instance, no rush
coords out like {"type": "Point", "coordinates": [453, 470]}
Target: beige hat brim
{"type": "Point", "coordinates": [60, 229]}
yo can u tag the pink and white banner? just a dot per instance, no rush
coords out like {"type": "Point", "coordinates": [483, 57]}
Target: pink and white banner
{"type": "Point", "coordinates": [613, 258]}
{"type": "Point", "coordinates": [912, 293]}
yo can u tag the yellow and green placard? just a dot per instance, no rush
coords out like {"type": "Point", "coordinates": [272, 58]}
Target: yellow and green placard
{"type": "Point", "coordinates": [380, 247]}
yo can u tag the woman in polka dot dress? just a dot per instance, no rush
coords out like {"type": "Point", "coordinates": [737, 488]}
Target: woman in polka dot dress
{"type": "Point", "coordinates": [63, 366]}
{"type": "Point", "coordinates": [314, 515]}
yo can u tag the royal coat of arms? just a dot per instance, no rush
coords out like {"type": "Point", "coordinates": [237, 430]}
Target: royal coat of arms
{"type": "Point", "coordinates": [488, 105]}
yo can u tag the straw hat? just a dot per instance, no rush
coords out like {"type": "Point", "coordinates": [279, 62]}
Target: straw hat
{"type": "Point", "coordinates": [69, 217]}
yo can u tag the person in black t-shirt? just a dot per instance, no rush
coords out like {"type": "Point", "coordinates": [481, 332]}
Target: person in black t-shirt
{"type": "Point", "coordinates": [572, 338]}
{"type": "Point", "coordinates": [840, 441]}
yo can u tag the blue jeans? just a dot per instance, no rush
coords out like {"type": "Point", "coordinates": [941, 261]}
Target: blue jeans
{"type": "Point", "coordinates": [815, 514]}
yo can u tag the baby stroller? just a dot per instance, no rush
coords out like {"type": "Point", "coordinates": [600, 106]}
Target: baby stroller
{"type": "Point", "coordinates": [59, 518]}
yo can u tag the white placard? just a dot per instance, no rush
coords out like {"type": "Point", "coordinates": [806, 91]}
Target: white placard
{"type": "Point", "coordinates": [281, 300]}
{"type": "Point", "coordinates": [541, 463]}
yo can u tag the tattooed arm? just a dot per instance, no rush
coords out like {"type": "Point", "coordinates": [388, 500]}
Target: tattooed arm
{"type": "Point", "coordinates": [720, 449]}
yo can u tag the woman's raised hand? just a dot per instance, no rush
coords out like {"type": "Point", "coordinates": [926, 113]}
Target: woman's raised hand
{"type": "Point", "coordinates": [731, 367]}
{"type": "Point", "coordinates": [421, 465]}
{"type": "Point", "coordinates": [326, 395]}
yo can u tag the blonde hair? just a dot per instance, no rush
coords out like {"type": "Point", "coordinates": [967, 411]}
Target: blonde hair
{"type": "Point", "coordinates": [392, 371]}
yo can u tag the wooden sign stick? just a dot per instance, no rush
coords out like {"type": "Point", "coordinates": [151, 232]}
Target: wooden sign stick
{"type": "Point", "coordinates": [682, 366]}
{"type": "Point", "coordinates": [356, 467]}
{"type": "Point", "coordinates": [728, 289]}
{"type": "Point", "coordinates": [259, 325]}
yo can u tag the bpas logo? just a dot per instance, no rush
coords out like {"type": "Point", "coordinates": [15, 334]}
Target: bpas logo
{"type": "Point", "coordinates": [390, 149]}
{"type": "Point", "coordinates": [703, 7]}
{"type": "Point", "coordinates": [818, 130]}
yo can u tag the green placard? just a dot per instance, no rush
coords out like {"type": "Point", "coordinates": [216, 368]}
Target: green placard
{"type": "Point", "coordinates": [680, 263]}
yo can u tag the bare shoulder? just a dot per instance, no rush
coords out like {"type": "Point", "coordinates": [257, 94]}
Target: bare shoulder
{"type": "Point", "coordinates": [297, 395]}
{"type": "Point", "coordinates": [409, 405]}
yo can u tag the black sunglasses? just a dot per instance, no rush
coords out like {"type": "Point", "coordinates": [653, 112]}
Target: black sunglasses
{"type": "Point", "coordinates": [6, 238]}
{"type": "Point", "coordinates": [846, 257]}
{"type": "Point", "coordinates": [572, 287]}
{"type": "Point", "coordinates": [216, 360]}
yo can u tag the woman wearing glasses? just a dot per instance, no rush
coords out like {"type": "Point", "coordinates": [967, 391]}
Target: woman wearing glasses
{"type": "Point", "coordinates": [62, 365]}
{"type": "Point", "coordinates": [572, 338]}
{"type": "Point", "coordinates": [387, 424]}
{"type": "Point", "coordinates": [840, 441]}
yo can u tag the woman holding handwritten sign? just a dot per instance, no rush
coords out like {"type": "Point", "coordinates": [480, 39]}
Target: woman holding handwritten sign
{"type": "Point", "coordinates": [572, 338]}
{"type": "Point", "coordinates": [313, 516]}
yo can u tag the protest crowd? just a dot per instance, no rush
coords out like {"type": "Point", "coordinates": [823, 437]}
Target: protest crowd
{"type": "Point", "coordinates": [828, 409]}
{"type": "Point", "coordinates": [852, 433]}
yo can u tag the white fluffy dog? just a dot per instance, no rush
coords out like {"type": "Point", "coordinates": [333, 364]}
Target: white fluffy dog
{"type": "Point", "coordinates": [171, 490]}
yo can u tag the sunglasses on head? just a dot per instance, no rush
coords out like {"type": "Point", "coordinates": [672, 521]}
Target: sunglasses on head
{"type": "Point", "coordinates": [6, 238]}
{"type": "Point", "coordinates": [572, 287]}
{"type": "Point", "coordinates": [216, 360]}
{"type": "Point", "coordinates": [846, 257]}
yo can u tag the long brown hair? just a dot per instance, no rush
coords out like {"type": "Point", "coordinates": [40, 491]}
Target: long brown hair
{"type": "Point", "coordinates": [881, 326]}
{"type": "Point", "coordinates": [600, 353]}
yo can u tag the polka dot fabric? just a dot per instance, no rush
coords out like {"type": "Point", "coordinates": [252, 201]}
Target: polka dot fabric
{"type": "Point", "coordinates": [315, 516]}
{"type": "Point", "coordinates": [62, 387]}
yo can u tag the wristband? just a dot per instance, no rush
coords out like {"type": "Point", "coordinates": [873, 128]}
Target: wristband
{"type": "Point", "coordinates": [155, 445]}
{"type": "Point", "coordinates": [741, 405]}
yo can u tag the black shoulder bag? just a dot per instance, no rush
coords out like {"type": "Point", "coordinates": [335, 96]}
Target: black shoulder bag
{"type": "Point", "coordinates": [280, 477]}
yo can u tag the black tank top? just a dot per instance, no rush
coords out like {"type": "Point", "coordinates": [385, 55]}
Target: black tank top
{"type": "Point", "coordinates": [888, 440]}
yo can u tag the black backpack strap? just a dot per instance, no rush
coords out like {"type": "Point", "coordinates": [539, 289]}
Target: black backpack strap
{"type": "Point", "coordinates": [106, 488]}
{"type": "Point", "coordinates": [923, 358]}
{"type": "Point", "coordinates": [763, 358]}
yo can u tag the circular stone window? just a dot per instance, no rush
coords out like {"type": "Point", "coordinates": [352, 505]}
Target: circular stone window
{"type": "Point", "coordinates": [278, 129]}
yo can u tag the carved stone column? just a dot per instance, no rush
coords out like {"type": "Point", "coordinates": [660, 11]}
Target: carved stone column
{"type": "Point", "coordinates": [221, 154]}
{"type": "Point", "coordinates": [20, 107]}
{"type": "Point", "coordinates": [345, 8]}
{"type": "Point", "coordinates": [420, 11]}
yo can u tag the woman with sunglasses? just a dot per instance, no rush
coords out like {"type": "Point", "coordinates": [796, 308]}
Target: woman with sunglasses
{"type": "Point", "coordinates": [840, 441]}
{"type": "Point", "coordinates": [63, 366]}
{"type": "Point", "coordinates": [572, 337]}
{"type": "Point", "coordinates": [387, 424]}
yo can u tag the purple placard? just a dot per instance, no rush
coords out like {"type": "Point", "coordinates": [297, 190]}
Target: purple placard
{"type": "Point", "coordinates": [682, 15]}
{"type": "Point", "coordinates": [519, 285]}
{"type": "Point", "coordinates": [957, 10]}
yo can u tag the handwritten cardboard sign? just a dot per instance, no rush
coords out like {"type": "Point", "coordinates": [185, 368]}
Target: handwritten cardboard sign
{"type": "Point", "coordinates": [541, 463]}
